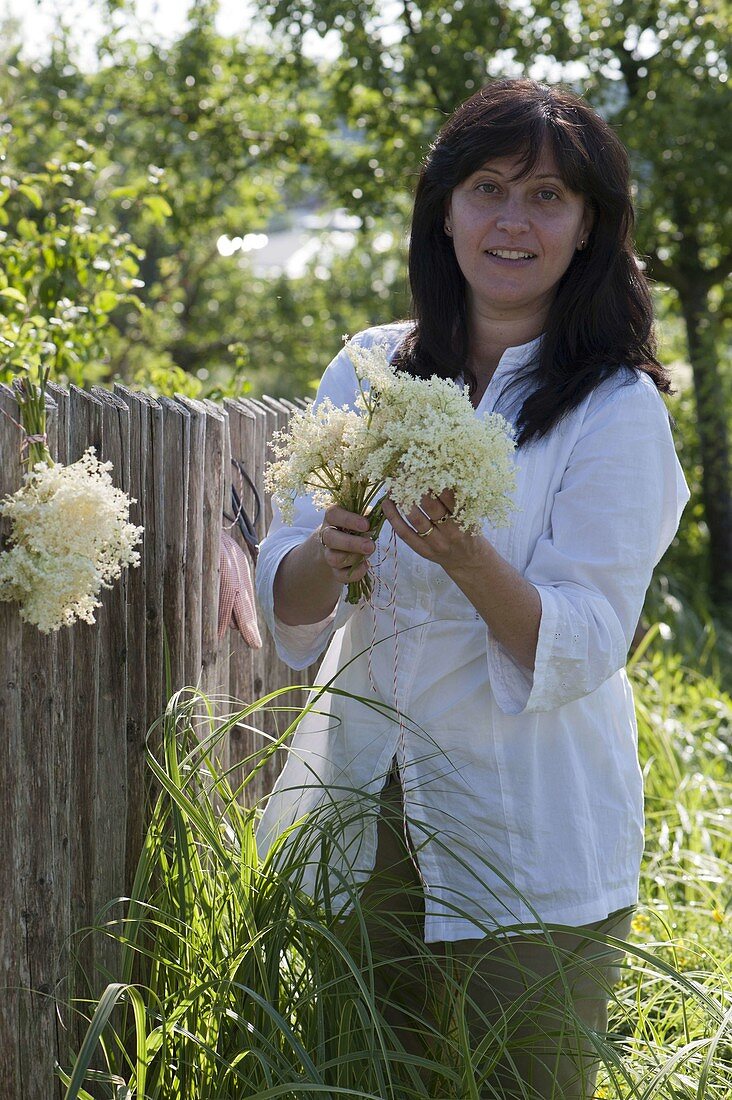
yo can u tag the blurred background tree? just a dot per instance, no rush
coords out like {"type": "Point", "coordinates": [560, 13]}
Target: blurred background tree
{"type": "Point", "coordinates": [63, 272]}
{"type": "Point", "coordinates": [205, 140]}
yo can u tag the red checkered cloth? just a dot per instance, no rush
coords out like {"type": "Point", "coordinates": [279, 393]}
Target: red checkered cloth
{"type": "Point", "coordinates": [236, 593]}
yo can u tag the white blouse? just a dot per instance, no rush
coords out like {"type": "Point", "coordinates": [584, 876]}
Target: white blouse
{"type": "Point", "coordinates": [523, 791]}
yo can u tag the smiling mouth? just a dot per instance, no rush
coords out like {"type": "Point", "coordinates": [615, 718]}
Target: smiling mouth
{"type": "Point", "coordinates": [510, 254]}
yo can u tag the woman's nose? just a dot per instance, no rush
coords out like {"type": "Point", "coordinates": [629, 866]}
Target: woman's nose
{"type": "Point", "coordinates": [513, 218]}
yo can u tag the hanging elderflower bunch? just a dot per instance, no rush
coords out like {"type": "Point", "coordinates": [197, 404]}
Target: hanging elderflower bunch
{"type": "Point", "coordinates": [406, 437]}
{"type": "Point", "coordinates": [70, 534]}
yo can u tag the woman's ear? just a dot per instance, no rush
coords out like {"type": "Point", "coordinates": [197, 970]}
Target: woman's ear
{"type": "Point", "coordinates": [447, 224]}
{"type": "Point", "coordinates": [588, 220]}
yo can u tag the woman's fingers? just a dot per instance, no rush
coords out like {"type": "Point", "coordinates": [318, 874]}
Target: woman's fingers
{"type": "Point", "coordinates": [335, 516]}
{"type": "Point", "coordinates": [404, 528]}
{"type": "Point", "coordinates": [438, 507]}
{"type": "Point", "coordinates": [428, 528]}
{"type": "Point", "coordinates": [432, 511]}
{"type": "Point", "coordinates": [345, 546]}
{"type": "Point", "coordinates": [447, 500]}
{"type": "Point", "coordinates": [351, 573]}
{"type": "Point", "coordinates": [342, 544]}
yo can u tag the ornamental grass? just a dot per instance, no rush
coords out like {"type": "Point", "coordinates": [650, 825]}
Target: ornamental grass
{"type": "Point", "coordinates": [233, 983]}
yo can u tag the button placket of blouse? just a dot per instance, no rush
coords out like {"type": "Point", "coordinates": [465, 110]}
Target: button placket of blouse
{"type": "Point", "coordinates": [488, 400]}
{"type": "Point", "coordinates": [410, 644]}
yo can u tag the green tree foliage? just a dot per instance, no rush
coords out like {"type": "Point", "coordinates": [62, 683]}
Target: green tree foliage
{"type": "Point", "coordinates": [63, 272]}
{"type": "Point", "coordinates": [217, 126]}
{"type": "Point", "coordinates": [201, 138]}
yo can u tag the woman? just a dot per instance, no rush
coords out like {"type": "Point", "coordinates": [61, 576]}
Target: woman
{"type": "Point", "coordinates": [516, 767]}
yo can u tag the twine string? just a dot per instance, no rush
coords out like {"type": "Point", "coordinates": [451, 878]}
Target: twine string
{"type": "Point", "coordinates": [379, 584]}
{"type": "Point", "coordinates": [401, 742]}
{"type": "Point", "coordinates": [27, 439]}
{"type": "Point", "coordinates": [389, 604]}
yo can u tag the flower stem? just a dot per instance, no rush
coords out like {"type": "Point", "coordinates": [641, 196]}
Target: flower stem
{"type": "Point", "coordinates": [361, 590]}
{"type": "Point", "coordinates": [31, 398]}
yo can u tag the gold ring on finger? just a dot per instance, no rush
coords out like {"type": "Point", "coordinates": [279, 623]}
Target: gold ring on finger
{"type": "Point", "coordinates": [430, 529]}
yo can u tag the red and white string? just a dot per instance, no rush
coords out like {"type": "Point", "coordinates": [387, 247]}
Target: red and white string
{"type": "Point", "coordinates": [390, 604]}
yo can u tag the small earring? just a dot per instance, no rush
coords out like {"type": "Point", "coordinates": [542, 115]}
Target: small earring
{"type": "Point", "coordinates": [581, 245]}
{"type": "Point", "coordinates": [448, 230]}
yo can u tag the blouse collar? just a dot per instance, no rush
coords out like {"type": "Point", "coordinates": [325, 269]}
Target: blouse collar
{"type": "Point", "coordinates": [515, 359]}
{"type": "Point", "coordinates": [521, 355]}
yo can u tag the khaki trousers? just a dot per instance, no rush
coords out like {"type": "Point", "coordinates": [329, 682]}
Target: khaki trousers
{"type": "Point", "coordinates": [531, 1003]}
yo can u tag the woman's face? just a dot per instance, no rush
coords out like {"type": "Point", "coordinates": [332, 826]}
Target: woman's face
{"type": "Point", "coordinates": [514, 238]}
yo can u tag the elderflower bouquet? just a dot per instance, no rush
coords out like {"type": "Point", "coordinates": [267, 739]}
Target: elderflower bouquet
{"type": "Point", "coordinates": [405, 436]}
{"type": "Point", "coordinates": [70, 534]}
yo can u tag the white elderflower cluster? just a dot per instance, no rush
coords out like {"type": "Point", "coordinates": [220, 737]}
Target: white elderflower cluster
{"type": "Point", "coordinates": [406, 436]}
{"type": "Point", "coordinates": [425, 437]}
{"type": "Point", "coordinates": [70, 537]}
{"type": "Point", "coordinates": [321, 452]}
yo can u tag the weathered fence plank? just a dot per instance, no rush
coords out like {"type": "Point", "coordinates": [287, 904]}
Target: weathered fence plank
{"type": "Point", "coordinates": [177, 440]}
{"type": "Point", "coordinates": [194, 540]}
{"type": "Point", "coordinates": [76, 709]}
{"type": "Point", "coordinates": [242, 434]}
{"type": "Point", "coordinates": [222, 673]}
{"type": "Point", "coordinates": [266, 658]}
{"type": "Point", "coordinates": [213, 502]}
{"type": "Point", "coordinates": [62, 724]}
{"type": "Point", "coordinates": [35, 805]}
{"type": "Point", "coordinates": [135, 684]}
{"type": "Point", "coordinates": [85, 430]}
{"type": "Point", "coordinates": [153, 551]}
{"type": "Point", "coordinates": [259, 452]}
{"type": "Point", "coordinates": [13, 969]}
{"type": "Point", "coordinates": [109, 815]}
{"type": "Point", "coordinates": [278, 415]}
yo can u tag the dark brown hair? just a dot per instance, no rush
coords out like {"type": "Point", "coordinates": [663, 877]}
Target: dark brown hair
{"type": "Point", "coordinates": [601, 319]}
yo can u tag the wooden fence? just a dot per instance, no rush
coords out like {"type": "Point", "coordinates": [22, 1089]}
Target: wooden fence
{"type": "Point", "coordinates": [75, 707]}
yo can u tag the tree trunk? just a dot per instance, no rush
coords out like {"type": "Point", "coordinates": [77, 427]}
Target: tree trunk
{"type": "Point", "coordinates": [714, 441]}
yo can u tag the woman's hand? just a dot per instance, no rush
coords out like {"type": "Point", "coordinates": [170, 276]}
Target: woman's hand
{"type": "Point", "coordinates": [430, 531]}
{"type": "Point", "coordinates": [310, 578]}
{"type": "Point", "coordinates": [345, 547]}
{"type": "Point", "coordinates": [508, 603]}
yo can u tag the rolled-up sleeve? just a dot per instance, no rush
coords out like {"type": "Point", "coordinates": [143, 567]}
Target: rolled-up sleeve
{"type": "Point", "coordinates": [298, 646]}
{"type": "Point", "coordinates": [616, 512]}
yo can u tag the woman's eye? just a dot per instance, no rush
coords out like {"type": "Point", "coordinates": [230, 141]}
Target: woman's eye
{"type": "Point", "coordinates": [546, 193]}
{"type": "Point", "coordinates": [487, 188]}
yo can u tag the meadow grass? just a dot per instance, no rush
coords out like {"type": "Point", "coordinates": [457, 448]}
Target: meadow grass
{"type": "Point", "coordinates": [233, 983]}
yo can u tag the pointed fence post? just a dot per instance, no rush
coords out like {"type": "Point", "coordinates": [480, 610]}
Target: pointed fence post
{"type": "Point", "coordinates": [242, 740]}
{"type": "Point", "coordinates": [177, 448]}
